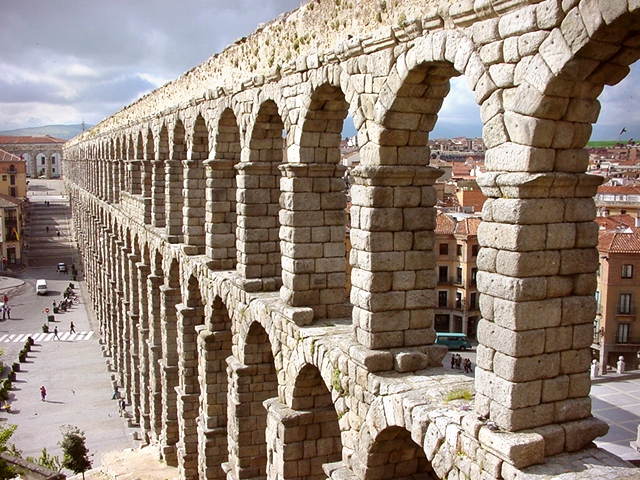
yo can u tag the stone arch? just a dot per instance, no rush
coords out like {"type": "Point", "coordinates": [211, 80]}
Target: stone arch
{"type": "Point", "coordinates": [313, 189]}
{"type": "Point", "coordinates": [148, 171]}
{"type": "Point", "coordinates": [190, 317]}
{"type": "Point", "coordinates": [258, 202]}
{"type": "Point", "coordinates": [169, 301]}
{"type": "Point", "coordinates": [393, 454]}
{"type": "Point", "coordinates": [214, 345]}
{"type": "Point", "coordinates": [155, 286]}
{"type": "Point", "coordinates": [195, 188]}
{"type": "Point", "coordinates": [158, 189]}
{"type": "Point", "coordinates": [221, 220]}
{"type": "Point", "coordinates": [252, 381]}
{"type": "Point", "coordinates": [136, 158]}
{"type": "Point", "coordinates": [174, 183]}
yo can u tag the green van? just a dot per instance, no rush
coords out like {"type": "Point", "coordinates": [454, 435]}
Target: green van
{"type": "Point", "coordinates": [455, 341]}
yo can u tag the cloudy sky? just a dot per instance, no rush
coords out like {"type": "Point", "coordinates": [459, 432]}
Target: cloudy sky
{"type": "Point", "coordinates": [67, 60]}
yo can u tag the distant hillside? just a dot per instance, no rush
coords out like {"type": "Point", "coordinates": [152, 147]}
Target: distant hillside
{"type": "Point", "coordinates": [65, 132]}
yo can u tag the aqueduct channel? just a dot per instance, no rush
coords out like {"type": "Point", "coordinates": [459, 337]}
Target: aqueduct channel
{"type": "Point", "coordinates": [211, 220]}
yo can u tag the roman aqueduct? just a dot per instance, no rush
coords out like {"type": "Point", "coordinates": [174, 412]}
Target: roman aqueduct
{"type": "Point", "coordinates": [211, 217]}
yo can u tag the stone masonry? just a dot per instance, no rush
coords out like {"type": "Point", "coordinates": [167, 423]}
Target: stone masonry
{"type": "Point", "coordinates": [211, 217]}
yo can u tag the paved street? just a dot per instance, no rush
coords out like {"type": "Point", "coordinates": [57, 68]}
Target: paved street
{"type": "Point", "coordinates": [73, 369]}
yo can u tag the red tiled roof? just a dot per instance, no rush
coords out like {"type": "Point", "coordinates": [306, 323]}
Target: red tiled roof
{"type": "Point", "coordinates": [7, 157]}
{"type": "Point", "coordinates": [11, 140]}
{"type": "Point", "coordinates": [445, 225]}
{"type": "Point", "coordinates": [620, 241]}
{"type": "Point", "coordinates": [612, 222]}
{"type": "Point", "coordinates": [619, 189]}
{"type": "Point", "coordinates": [467, 226]}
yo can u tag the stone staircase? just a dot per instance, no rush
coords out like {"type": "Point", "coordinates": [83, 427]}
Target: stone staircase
{"type": "Point", "coordinates": [43, 245]}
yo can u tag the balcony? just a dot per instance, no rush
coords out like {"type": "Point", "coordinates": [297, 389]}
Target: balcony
{"type": "Point", "coordinates": [445, 280]}
{"type": "Point", "coordinates": [626, 309]}
{"type": "Point", "coordinates": [626, 340]}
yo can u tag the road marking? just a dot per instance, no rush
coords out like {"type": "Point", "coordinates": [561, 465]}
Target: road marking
{"type": "Point", "coordinates": [46, 337]}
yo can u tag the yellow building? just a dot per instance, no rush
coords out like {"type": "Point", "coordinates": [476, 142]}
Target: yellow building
{"type": "Point", "coordinates": [457, 303]}
{"type": "Point", "coordinates": [13, 195]}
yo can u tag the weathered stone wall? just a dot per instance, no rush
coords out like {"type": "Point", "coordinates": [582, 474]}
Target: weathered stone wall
{"type": "Point", "coordinates": [211, 218]}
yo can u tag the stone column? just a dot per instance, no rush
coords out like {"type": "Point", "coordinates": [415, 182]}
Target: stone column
{"type": "Point", "coordinates": [313, 238]}
{"type": "Point", "coordinates": [393, 277]}
{"type": "Point", "coordinates": [169, 298]}
{"type": "Point", "coordinates": [213, 349]}
{"type": "Point", "coordinates": [134, 329]}
{"type": "Point", "coordinates": [188, 395]}
{"type": "Point", "coordinates": [174, 200]}
{"type": "Point", "coordinates": [246, 423]}
{"type": "Point", "coordinates": [257, 241]}
{"type": "Point", "coordinates": [193, 212]}
{"type": "Point", "coordinates": [144, 410]}
{"type": "Point", "coordinates": [134, 172]}
{"type": "Point", "coordinates": [117, 179]}
{"type": "Point", "coordinates": [537, 279]}
{"type": "Point", "coordinates": [157, 194]}
{"type": "Point", "coordinates": [220, 217]}
{"type": "Point", "coordinates": [154, 283]}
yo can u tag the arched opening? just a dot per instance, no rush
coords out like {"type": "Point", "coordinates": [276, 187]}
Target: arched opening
{"type": "Point", "coordinates": [214, 348]}
{"type": "Point", "coordinates": [258, 206]}
{"type": "Point", "coordinates": [395, 455]}
{"type": "Point", "coordinates": [250, 384]}
{"type": "Point", "coordinates": [314, 202]}
{"type": "Point", "coordinates": [195, 188]}
{"type": "Point", "coordinates": [174, 187]}
{"type": "Point", "coordinates": [221, 194]}
{"type": "Point", "coordinates": [158, 210]}
{"type": "Point", "coordinates": [136, 158]}
{"type": "Point", "coordinates": [170, 297]}
{"type": "Point", "coordinates": [190, 316]}
{"type": "Point", "coordinates": [155, 283]}
{"type": "Point", "coordinates": [320, 440]}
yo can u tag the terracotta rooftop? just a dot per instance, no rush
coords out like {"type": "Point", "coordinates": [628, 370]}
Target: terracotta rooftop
{"type": "Point", "coordinates": [7, 157]}
{"type": "Point", "coordinates": [619, 189]}
{"type": "Point", "coordinates": [11, 140]}
{"type": "Point", "coordinates": [449, 225]}
{"type": "Point", "coordinates": [7, 201]}
{"type": "Point", "coordinates": [625, 240]}
{"type": "Point", "coordinates": [614, 222]}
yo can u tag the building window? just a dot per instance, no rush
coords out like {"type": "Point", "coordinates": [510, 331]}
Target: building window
{"type": "Point", "coordinates": [12, 180]}
{"type": "Point", "coordinates": [442, 323]}
{"type": "Point", "coordinates": [627, 271]}
{"type": "Point", "coordinates": [4, 178]}
{"type": "Point", "coordinates": [444, 249]}
{"type": "Point", "coordinates": [623, 333]}
{"type": "Point", "coordinates": [459, 275]}
{"type": "Point", "coordinates": [458, 300]}
{"type": "Point", "coordinates": [42, 161]}
{"type": "Point", "coordinates": [473, 300]}
{"type": "Point", "coordinates": [474, 250]}
{"type": "Point", "coordinates": [443, 274]}
{"type": "Point", "coordinates": [459, 250]}
{"type": "Point", "coordinates": [443, 298]}
{"type": "Point", "coordinates": [474, 274]}
{"type": "Point", "coordinates": [12, 191]}
{"type": "Point", "coordinates": [53, 160]}
{"type": "Point", "coordinates": [625, 303]}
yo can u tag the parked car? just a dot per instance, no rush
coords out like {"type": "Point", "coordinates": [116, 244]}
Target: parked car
{"type": "Point", "coordinates": [62, 267]}
{"type": "Point", "coordinates": [41, 287]}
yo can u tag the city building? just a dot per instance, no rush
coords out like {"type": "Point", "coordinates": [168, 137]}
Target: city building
{"type": "Point", "coordinates": [617, 327]}
{"type": "Point", "coordinates": [13, 194]}
{"type": "Point", "coordinates": [42, 153]}
{"type": "Point", "coordinates": [457, 308]}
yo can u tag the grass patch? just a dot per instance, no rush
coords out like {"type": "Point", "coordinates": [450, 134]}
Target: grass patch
{"type": "Point", "coordinates": [602, 143]}
{"type": "Point", "coordinates": [458, 395]}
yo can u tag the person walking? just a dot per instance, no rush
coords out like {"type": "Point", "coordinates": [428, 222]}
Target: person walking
{"type": "Point", "coordinates": [55, 333]}
{"type": "Point", "coordinates": [43, 393]}
{"type": "Point", "coordinates": [122, 407]}
{"type": "Point", "coordinates": [72, 328]}
{"type": "Point", "coordinates": [7, 309]}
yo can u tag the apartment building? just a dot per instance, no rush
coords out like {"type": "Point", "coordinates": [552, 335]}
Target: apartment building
{"type": "Point", "coordinates": [456, 249]}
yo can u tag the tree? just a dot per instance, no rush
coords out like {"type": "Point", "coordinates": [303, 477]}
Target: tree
{"type": "Point", "coordinates": [6, 469]}
{"type": "Point", "coordinates": [52, 462]}
{"type": "Point", "coordinates": [76, 454]}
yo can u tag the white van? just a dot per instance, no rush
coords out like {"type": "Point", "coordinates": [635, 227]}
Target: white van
{"type": "Point", "coordinates": [41, 287]}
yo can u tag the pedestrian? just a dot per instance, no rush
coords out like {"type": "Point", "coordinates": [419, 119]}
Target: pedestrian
{"type": "Point", "coordinates": [58, 233]}
{"type": "Point", "coordinates": [47, 227]}
{"type": "Point", "coordinates": [43, 393]}
{"type": "Point", "coordinates": [55, 333]}
{"type": "Point", "coordinates": [5, 299]}
{"type": "Point", "coordinates": [7, 309]}
{"type": "Point", "coordinates": [72, 328]}
{"type": "Point", "coordinates": [115, 393]}
{"type": "Point", "coordinates": [453, 361]}
{"type": "Point", "coordinates": [4, 313]}
{"type": "Point", "coordinates": [54, 304]}
{"type": "Point", "coordinates": [122, 407]}
{"type": "Point", "coordinates": [458, 361]}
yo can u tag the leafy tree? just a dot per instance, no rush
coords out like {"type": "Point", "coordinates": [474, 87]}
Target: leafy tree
{"type": "Point", "coordinates": [52, 462]}
{"type": "Point", "coordinates": [6, 469]}
{"type": "Point", "coordinates": [76, 454]}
